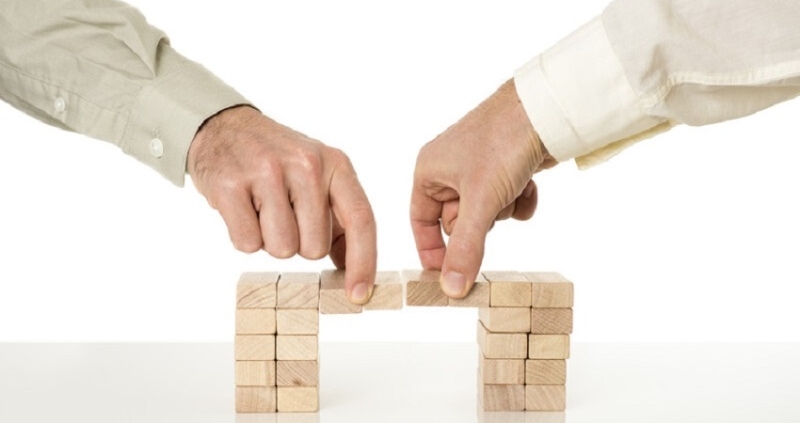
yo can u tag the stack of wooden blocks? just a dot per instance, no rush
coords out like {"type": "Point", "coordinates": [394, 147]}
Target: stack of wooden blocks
{"type": "Point", "coordinates": [524, 326]}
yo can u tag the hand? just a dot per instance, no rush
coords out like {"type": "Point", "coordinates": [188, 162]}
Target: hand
{"type": "Point", "coordinates": [285, 193]}
{"type": "Point", "coordinates": [478, 171]}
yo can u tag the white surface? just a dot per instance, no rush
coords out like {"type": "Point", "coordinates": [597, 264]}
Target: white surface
{"type": "Point", "coordinates": [399, 382]}
{"type": "Point", "coordinates": [688, 237]}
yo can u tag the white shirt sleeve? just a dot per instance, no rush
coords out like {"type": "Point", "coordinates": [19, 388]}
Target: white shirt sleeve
{"type": "Point", "coordinates": [647, 65]}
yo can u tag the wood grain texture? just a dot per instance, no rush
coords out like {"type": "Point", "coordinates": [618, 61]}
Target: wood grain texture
{"type": "Point", "coordinates": [508, 289]}
{"type": "Point", "coordinates": [545, 372]}
{"type": "Point", "coordinates": [548, 347]}
{"type": "Point", "coordinates": [502, 345]}
{"type": "Point", "coordinates": [545, 397]}
{"type": "Point", "coordinates": [298, 399]}
{"type": "Point", "coordinates": [297, 373]}
{"type": "Point", "coordinates": [479, 295]}
{"type": "Point", "coordinates": [551, 320]}
{"type": "Point", "coordinates": [506, 319]}
{"type": "Point", "coordinates": [422, 288]}
{"type": "Point", "coordinates": [332, 296]}
{"type": "Point", "coordinates": [256, 399]}
{"type": "Point", "coordinates": [257, 290]}
{"type": "Point", "coordinates": [298, 290]}
{"type": "Point", "coordinates": [388, 292]}
{"type": "Point", "coordinates": [255, 321]}
{"type": "Point", "coordinates": [501, 371]}
{"type": "Point", "coordinates": [550, 290]}
{"type": "Point", "coordinates": [254, 347]}
{"type": "Point", "coordinates": [255, 373]}
{"type": "Point", "coordinates": [501, 397]}
{"type": "Point", "coordinates": [298, 321]}
{"type": "Point", "coordinates": [296, 347]}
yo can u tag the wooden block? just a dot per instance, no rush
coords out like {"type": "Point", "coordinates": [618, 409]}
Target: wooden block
{"type": "Point", "coordinates": [255, 373]}
{"type": "Point", "coordinates": [255, 321]}
{"type": "Point", "coordinates": [550, 290]}
{"type": "Point", "coordinates": [298, 290]}
{"type": "Point", "coordinates": [548, 347]}
{"type": "Point", "coordinates": [422, 288]}
{"type": "Point", "coordinates": [256, 399]}
{"type": "Point", "coordinates": [545, 397]}
{"type": "Point", "coordinates": [478, 296]}
{"type": "Point", "coordinates": [493, 416]}
{"type": "Point", "coordinates": [332, 297]}
{"type": "Point", "coordinates": [257, 290]}
{"type": "Point", "coordinates": [298, 399]}
{"type": "Point", "coordinates": [508, 289]}
{"type": "Point", "coordinates": [297, 347]}
{"type": "Point", "coordinates": [297, 373]}
{"type": "Point", "coordinates": [501, 397]}
{"type": "Point", "coordinates": [502, 345]}
{"type": "Point", "coordinates": [506, 319]}
{"type": "Point", "coordinates": [551, 320]}
{"type": "Point", "coordinates": [501, 372]}
{"type": "Point", "coordinates": [388, 292]}
{"type": "Point", "coordinates": [254, 347]}
{"type": "Point", "coordinates": [300, 321]}
{"type": "Point", "coordinates": [545, 372]}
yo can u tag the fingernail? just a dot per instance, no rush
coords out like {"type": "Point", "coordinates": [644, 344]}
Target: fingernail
{"type": "Point", "coordinates": [359, 294]}
{"type": "Point", "coordinates": [528, 191]}
{"type": "Point", "coordinates": [454, 284]}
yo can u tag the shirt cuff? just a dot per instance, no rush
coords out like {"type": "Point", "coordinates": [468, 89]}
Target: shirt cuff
{"type": "Point", "coordinates": [579, 100]}
{"type": "Point", "coordinates": [169, 111]}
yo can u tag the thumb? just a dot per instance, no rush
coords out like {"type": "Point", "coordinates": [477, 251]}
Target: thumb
{"type": "Point", "coordinates": [464, 253]}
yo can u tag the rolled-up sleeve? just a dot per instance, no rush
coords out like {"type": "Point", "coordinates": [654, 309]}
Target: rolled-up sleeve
{"type": "Point", "coordinates": [98, 68]}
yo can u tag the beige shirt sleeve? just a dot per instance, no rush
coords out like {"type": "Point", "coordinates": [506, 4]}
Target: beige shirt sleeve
{"type": "Point", "coordinates": [97, 67]}
{"type": "Point", "coordinates": [647, 65]}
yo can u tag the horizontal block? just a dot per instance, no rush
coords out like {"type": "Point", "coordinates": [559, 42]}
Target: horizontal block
{"type": "Point", "coordinates": [256, 399]}
{"type": "Point", "coordinates": [551, 320]}
{"type": "Point", "coordinates": [254, 347]}
{"type": "Point", "coordinates": [297, 321]}
{"type": "Point", "coordinates": [506, 319]}
{"type": "Point", "coordinates": [255, 373]}
{"type": "Point", "coordinates": [545, 397]}
{"type": "Point", "coordinates": [508, 289]}
{"type": "Point", "coordinates": [501, 397]}
{"type": "Point", "coordinates": [478, 296]}
{"type": "Point", "coordinates": [255, 321]}
{"type": "Point", "coordinates": [422, 288]}
{"type": "Point", "coordinates": [332, 296]}
{"type": "Point", "coordinates": [548, 347]}
{"type": "Point", "coordinates": [257, 290]}
{"type": "Point", "coordinates": [296, 347]}
{"type": "Point", "coordinates": [501, 371]}
{"type": "Point", "coordinates": [388, 292]}
{"type": "Point", "coordinates": [550, 290]}
{"type": "Point", "coordinates": [502, 345]}
{"type": "Point", "coordinates": [298, 290]}
{"type": "Point", "coordinates": [298, 399]}
{"type": "Point", "coordinates": [297, 373]}
{"type": "Point", "coordinates": [545, 372]}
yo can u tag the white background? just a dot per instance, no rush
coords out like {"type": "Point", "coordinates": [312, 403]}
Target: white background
{"type": "Point", "coordinates": [691, 236]}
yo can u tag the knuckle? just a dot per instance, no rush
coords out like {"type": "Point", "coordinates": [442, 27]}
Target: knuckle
{"type": "Point", "coordinates": [309, 161]}
{"type": "Point", "coordinates": [314, 253]}
{"type": "Point", "coordinates": [360, 217]}
{"type": "Point", "coordinates": [247, 245]}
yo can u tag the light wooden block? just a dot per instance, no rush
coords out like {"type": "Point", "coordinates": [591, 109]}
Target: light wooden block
{"type": "Point", "coordinates": [255, 321]}
{"type": "Point", "coordinates": [493, 416]}
{"type": "Point", "coordinates": [297, 347]}
{"type": "Point", "coordinates": [550, 290]}
{"type": "Point", "coordinates": [298, 399]}
{"type": "Point", "coordinates": [508, 289]}
{"type": "Point", "coordinates": [297, 373]}
{"type": "Point", "coordinates": [257, 290]}
{"type": "Point", "coordinates": [298, 290]}
{"type": "Point", "coordinates": [545, 397]}
{"type": "Point", "coordinates": [548, 347]}
{"type": "Point", "coordinates": [501, 372]}
{"type": "Point", "coordinates": [506, 319]}
{"type": "Point", "coordinates": [545, 372]}
{"type": "Point", "coordinates": [478, 296]}
{"type": "Point", "coordinates": [332, 296]}
{"type": "Point", "coordinates": [551, 320]}
{"type": "Point", "coordinates": [255, 373]}
{"type": "Point", "coordinates": [423, 289]}
{"type": "Point", "coordinates": [300, 321]}
{"type": "Point", "coordinates": [502, 345]}
{"type": "Point", "coordinates": [501, 397]}
{"type": "Point", "coordinates": [388, 292]}
{"type": "Point", "coordinates": [256, 399]}
{"type": "Point", "coordinates": [254, 347]}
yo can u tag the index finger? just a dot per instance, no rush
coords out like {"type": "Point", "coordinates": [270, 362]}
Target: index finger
{"type": "Point", "coordinates": [427, 229]}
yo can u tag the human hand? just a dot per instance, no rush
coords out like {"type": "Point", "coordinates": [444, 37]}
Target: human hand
{"type": "Point", "coordinates": [283, 192]}
{"type": "Point", "coordinates": [476, 172]}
